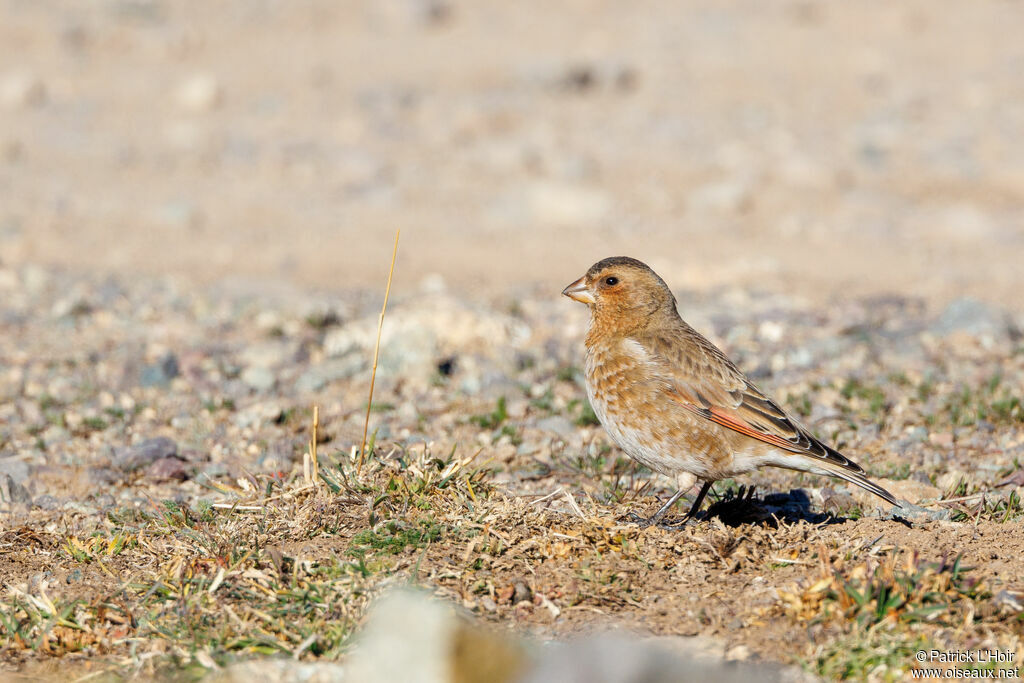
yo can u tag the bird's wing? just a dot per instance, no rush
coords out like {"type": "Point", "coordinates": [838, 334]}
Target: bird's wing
{"type": "Point", "coordinates": [702, 380]}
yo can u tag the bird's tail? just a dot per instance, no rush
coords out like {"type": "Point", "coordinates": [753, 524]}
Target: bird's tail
{"type": "Point", "coordinates": [834, 469]}
{"type": "Point", "coordinates": [858, 479]}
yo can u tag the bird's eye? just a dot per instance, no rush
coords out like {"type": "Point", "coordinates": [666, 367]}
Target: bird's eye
{"type": "Point", "coordinates": [611, 281]}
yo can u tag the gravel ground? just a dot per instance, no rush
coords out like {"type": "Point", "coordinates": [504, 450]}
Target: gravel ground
{"type": "Point", "coordinates": [125, 400]}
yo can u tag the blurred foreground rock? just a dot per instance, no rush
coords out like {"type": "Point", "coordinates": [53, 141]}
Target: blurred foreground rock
{"type": "Point", "coordinates": [416, 639]}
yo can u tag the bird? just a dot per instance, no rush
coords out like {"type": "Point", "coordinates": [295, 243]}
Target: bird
{"type": "Point", "coordinates": [673, 401]}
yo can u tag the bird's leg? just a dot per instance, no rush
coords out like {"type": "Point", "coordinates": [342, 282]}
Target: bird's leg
{"type": "Point", "coordinates": [695, 508]}
{"type": "Point", "coordinates": [656, 517]}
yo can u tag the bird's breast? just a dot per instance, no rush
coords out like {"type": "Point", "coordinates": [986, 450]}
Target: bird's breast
{"type": "Point", "coordinates": [629, 397]}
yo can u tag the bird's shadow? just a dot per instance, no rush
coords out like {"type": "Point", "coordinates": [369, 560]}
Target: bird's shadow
{"type": "Point", "coordinates": [742, 507]}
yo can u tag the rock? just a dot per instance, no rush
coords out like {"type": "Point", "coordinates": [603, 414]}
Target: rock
{"type": "Point", "coordinates": [168, 469]}
{"type": "Point", "coordinates": [46, 502]}
{"type": "Point", "coordinates": [22, 89]}
{"type": "Point", "coordinates": [415, 339]}
{"type": "Point", "coordinates": [1009, 601]}
{"type": "Point", "coordinates": [258, 414]}
{"type": "Point", "coordinates": [145, 453]}
{"type": "Point", "coordinates": [260, 379]}
{"type": "Point", "coordinates": [71, 306]}
{"type": "Point", "coordinates": [836, 503]}
{"type": "Point", "coordinates": [13, 492]}
{"type": "Point", "coordinates": [559, 425]}
{"type": "Point", "coordinates": [521, 593]}
{"type": "Point", "coordinates": [102, 476]}
{"type": "Point", "coordinates": [973, 317]}
{"type": "Point", "coordinates": [160, 373]}
{"type": "Point", "coordinates": [104, 501]}
{"type": "Point", "coordinates": [15, 468]}
{"type": "Point", "coordinates": [55, 435]}
{"type": "Point", "coordinates": [411, 637]}
{"type": "Point", "coordinates": [200, 93]}
{"type": "Point", "coordinates": [317, 377]}
{"type": "Point", "coordinates": [267, 355]}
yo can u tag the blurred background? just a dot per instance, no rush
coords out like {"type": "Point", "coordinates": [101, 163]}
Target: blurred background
{"type": "Point", "coordinates": [819, 148]}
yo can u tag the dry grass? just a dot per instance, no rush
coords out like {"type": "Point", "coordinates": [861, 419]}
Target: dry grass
{"type": "Point", "coordinates": [288, 569]}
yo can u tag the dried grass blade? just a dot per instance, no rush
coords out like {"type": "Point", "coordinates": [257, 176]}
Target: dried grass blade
{"type": "Point", "coordinates": [376, 354]}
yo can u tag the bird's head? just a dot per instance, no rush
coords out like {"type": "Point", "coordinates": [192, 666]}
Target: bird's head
{"type": "Point", "coordinates": [623, 293]}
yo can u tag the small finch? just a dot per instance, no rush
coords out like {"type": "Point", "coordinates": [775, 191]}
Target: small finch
{"type": "Point", "coordinates": [672, 400]}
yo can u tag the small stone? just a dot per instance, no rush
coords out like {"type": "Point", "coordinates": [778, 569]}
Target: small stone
{"type": "Point", "coordinates": [80, 508]}
{"type": "Point", "coordinates": [270, 354]}
{"type": "Point", "coordinates": [15, 468]}
{"type": "Point", "coordinates": [319, 376]}
{"type": "Point", "coordinates": [72, 306]}
{"type": "Point", "coordinates": [145, 453]}
{"type": "Point", "coordinates": [46, 502]}
{"type": "Point", "coordinates": [215, 469]}
{"type": "Point", "coordinates": [260, 379]}
{"type": "Point", "coordinates": [104, 501]}
{"type": "Point", "coordinates": [1009, 601]}
{"type": "Point", "coordinates": [255, 415]}
{"type": "Point", "coordinates": [521, 593]}
{"type": "Point", "coordinates": [973, 317]}
{"type": "Point", "coordinates": [13, 492]}
{"type": "Point", "coordinates": [837, 503]}
{"type": "Point", "coordinates": [102, 476]}
{"type": "Point", "coordinates": [160, 373]}
{"type": "Point", "coordinates": [737, 653]}
{"type": "Point", "coordinates": [168, 469]}
{"type": "Point", "coordinates": [199, 93]}
{"type": "Point", "coordinates": [559, 425]}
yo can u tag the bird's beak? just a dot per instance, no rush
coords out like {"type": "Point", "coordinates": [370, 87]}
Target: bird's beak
{"type": "Point", "coordinates": [578, 291]}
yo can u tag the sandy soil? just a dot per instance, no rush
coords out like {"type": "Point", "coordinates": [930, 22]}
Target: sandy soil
{"type": "Point", "coordinates": [806, 147]}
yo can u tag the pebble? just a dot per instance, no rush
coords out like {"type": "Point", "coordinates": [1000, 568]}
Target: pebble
{"type": "Point", "coordinates": [521, 592]}
{"type": "Point", "coordinates": [318, 376]}
{"type": "Point", "coordinates": [160, 373]}
{"type": "Point", "coordinates": [13, 492]}
{"type": "Point", "coordinates": [199, 93]}
{"type": "Point", "coordinates": [973, 317]}
{"type": "Point", "coordinates": [559, 425]}
{"type": "Point", "coordinates": [103, 476]}
{"type": "Point", "coordinates": [47, 502]}
{"type": "Point", "coordinates": [267, 354]}
{"type": "Point", "coordinates": [15, 468]}
{"type": "Point", "coordinates": [169, 468]}
{"type": "Point", "coordinates": [145, 453]}
{"type": "Point", "coordinates": [259, 378]}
